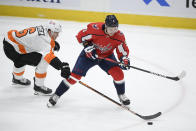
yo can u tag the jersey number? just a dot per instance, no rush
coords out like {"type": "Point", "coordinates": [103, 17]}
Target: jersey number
{"type": "Point", "coordinates": [25, 32]}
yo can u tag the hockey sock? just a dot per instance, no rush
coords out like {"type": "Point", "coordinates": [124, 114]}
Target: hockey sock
{"type": "Point", "coordinates": [18, 72]}
{"type": "Point", "coordinates": [61, 89]}
{"type": "Point", "coordinates": [118, 77]}
{"type": "Point", "coordinates": [120, 87]}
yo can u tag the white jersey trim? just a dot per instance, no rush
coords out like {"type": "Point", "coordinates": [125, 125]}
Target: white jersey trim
{"type": "Point", "coordinates": [66, 82]}
{"type": "Point", "coordinates": [88, 37]}
{"type": "Point", "coordinates": [119, 82]}
{"type": "Point", "coordinates": [75, 79]}
{"type": "Point", "coordinates": [121, 50]}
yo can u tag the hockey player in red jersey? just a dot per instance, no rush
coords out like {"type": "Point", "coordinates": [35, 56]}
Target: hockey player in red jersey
{"type": "Point", "coordinates": [99, 40]}
{"type": "Point", "coordinates": [35, 46]}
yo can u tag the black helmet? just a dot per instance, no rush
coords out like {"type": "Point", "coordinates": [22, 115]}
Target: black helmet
{"type": "Point", "coordinates": [111, 21]}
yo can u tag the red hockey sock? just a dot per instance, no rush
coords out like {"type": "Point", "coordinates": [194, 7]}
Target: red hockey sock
{"type": "Point", "coordinates": [73, 78]}
{"type": "Point", "coordinates": [116, 73]}
{"type": "Point", "coordinates": [118, 77]}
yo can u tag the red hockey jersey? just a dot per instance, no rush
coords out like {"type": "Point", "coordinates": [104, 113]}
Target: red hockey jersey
{"type": "Point", "coordinates": [104, 44]}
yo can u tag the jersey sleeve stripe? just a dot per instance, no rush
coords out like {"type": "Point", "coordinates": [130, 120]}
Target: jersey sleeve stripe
{"type": "Point", "coordinates": [121, 50]}
{"type": "Point", "coordinates": [50, 56]}
{"type": "Point", "coordinates": [88, 37]}
{"type": "Point", "coordinates": [20, 46]}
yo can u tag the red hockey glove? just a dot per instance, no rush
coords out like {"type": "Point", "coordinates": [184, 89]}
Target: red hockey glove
{"type": "Point", "coordinates": [125, 63]}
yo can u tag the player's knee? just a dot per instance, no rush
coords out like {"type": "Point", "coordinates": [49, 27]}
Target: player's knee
{"type": "Point", "coordinates": [18, 64]}
{"type": "Point", "coordinates": [116, 73]}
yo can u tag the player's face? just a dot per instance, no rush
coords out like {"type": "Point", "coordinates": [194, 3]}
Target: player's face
{"type": "Point", "coordinates": [53, 35]}
{"type": "Point", "coordinates": [111, 30]}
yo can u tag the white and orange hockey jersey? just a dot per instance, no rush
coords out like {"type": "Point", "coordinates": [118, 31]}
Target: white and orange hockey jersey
{"type": "Point", "coordinates": [33, 39]}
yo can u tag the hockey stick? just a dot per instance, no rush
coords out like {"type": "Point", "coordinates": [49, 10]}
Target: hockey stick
{"type": "Point", "coordinates": [176, 78]}
{"type": "Point", "coordinates": [126, 108]}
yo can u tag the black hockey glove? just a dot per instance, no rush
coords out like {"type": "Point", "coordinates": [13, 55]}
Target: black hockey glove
{"type": "Point", "coordinates": [89, 49]}
{"type": "Point", "coordinates": [65, 70]}
{"type": "Point", "coordinates": [125, 63]}
{"type": "Point", "coordinates": [57, 46]}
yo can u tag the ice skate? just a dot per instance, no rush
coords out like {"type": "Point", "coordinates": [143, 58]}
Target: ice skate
{"type": "Point", "coordinates": [52, 101]}
{"type": "Point", "coordinates": [23, 81]}
{"type": "Point", "coordinates": [41, 90]}
{"type": "Point", "coordinates": [124, 100]}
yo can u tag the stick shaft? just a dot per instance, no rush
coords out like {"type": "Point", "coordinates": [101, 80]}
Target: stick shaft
{"type": "Point", "coordinates": [82, 83]}
{"type": "Point", "coordinates": [147, 71]}
{"type": "Point", "coordinates": [110, 99]}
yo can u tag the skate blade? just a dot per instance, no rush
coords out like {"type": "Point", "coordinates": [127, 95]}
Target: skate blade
{"type": "Point", "coordinates": [41, 94]}
{"type": "Point", "coordinates": [19, 85]}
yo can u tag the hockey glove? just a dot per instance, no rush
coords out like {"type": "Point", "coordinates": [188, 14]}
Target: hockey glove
{"type": "Point", "coordinates": [90, 52]}
{"type": "Point", "coordinates": [57, 46]}
{"type": "Point", "coordinates": [125, 63]}
{"type": "Point", "coordinates": [65, 70]}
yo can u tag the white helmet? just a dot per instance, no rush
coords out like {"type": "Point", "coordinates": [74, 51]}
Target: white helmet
{"type": "Point", "coordinates": [54, 26]}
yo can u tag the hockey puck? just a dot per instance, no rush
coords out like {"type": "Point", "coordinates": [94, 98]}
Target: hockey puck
{"type": "Point", "coordinates": [150, 123]}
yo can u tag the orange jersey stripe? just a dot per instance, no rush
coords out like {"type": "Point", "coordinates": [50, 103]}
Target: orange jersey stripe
{"type": "Point", "coordinates": [52, 43]}
{"type": "Point", "coordinates": [38, 75]}
{"type": "Point", "coordinates": [50, 56]}
{"type": "Point", "coordinates": [20, 46]}
{"type": "Point", "coordinates": [19, 74]}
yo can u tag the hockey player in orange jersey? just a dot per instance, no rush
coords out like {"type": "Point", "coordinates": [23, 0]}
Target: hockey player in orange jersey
{"type": "Point", "coordinates": [35, 46]}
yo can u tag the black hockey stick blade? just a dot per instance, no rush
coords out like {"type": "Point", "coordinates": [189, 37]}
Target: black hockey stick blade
{"type": "Point", "coordinates": [179, 77]}
{"type": "Point", "coordinates": [125, 107]}
{"type": "Point", "coordinates": [150, 116]}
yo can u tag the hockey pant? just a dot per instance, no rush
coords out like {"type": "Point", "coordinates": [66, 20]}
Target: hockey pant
{"type": "Point", "coordinates": [21, 60]}
{"type": "Point", "coordinates": [81, 67]}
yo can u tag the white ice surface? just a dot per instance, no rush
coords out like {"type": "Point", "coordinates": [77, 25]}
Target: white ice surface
{"type": "Point", "coordinates": [161, 50]}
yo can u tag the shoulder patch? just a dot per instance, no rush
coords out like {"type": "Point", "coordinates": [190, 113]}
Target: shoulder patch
{"type": "Point", "coordinates": [95, 26]}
